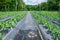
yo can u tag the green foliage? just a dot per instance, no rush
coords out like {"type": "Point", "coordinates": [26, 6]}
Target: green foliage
{"type": "Point", "coordinates": [51, 14]}
{"type": "Point", "coordinates": [53, 4]}
{"type": "Point", "coordinates": [13, 21]}
{"type": "Point", "coordinates": [0, 36]}
{"type": "Point", "coordinates": [52, 28]}
{"type": "Point", "coordinates": [19, 5]}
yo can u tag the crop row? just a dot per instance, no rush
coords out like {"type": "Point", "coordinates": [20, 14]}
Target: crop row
{"type": "Point", "coordinates": [7, 14]}
{"type": "Point", "coordinates": [53, 29]}
{"type": "Point", "coordinates": [0, 36]}
{"type": "Point", "coordinates": [50, 14]}
{"type": "Point", "coordinates": [12, 22]}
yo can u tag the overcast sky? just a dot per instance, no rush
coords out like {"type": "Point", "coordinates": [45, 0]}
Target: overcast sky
{"type": "Point", "coordinates": [33, 2]}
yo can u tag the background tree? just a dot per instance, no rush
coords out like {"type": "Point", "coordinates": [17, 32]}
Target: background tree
{"type": "Point", "coordinates": [19, 5]}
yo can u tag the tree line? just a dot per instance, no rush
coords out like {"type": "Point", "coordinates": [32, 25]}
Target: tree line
{"type": "Point", "coordinates": [19, 5]}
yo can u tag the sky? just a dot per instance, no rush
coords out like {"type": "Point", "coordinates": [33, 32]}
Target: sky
{"type": "Point", "coordinates": [33, 2]}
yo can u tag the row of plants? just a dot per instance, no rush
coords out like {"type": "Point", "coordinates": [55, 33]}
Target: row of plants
{"type": "Point", "coordinates": [7, 14]}
{"type": "Point", "coordinates": [53, 29]}
{"type": "Point", "coordinates": [12, 22]}
{"type": "Point", "coordinates": [0, 36]}
{"type": "Point", "coordinates": [50, 14]}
